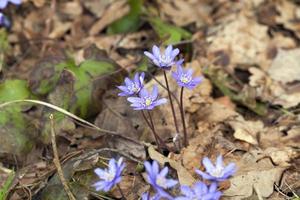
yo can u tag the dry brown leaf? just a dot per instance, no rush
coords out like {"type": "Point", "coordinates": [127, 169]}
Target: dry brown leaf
{"type": "Point", "coordinates": [115, 11]}
{"type": "Point", "coordinates": [184, 177]}
{"type": "Point", "coordinates": [229, 38]}
{"type": "Point", "coordinates": [38, 3]}
{"type": "Point", "coordinates": [273, 91]}
{"type": "Point", "coordinates": [246, 130]}
{"type": "Point", "coordinates": [179, 11]}
{"type": "Point", "coordinates": [254, 174]}
{"type": "Point", "coordinates": [285, 68]}
{"type": "Point", "coordinates": [71, 9]}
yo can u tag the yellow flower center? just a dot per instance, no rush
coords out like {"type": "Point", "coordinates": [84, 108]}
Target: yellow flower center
{"type": "Point", "coordinates": [148, 101]}
{"type": "Point", "coordinates": [218, 172]}
{"type": "Point", "coordinates": [161, 181]}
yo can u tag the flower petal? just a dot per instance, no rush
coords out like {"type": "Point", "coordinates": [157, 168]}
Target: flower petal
{"type": "Point", "coordinates": [156, 51]}
{"type": "Point", "coordinates": [229, 170]}
{"type": "Point", "coordinates": [168, 51]}
{"type": "Point", "coordinates": [160, 102]}
{"type": "Point", "coordinates": [143, 93]}
{"type": "Point", "coordinates": [187, 191]}
{"type": "Point", "coordinates": [208, 165]}
{"type": "Point", "coordinates": [149, 55]}
{"type": "Point", "coordinates": [174, 53]}
{"type": "Point", "coordinates": [134, 99]}
{"type": "Point", "coordinates": [204, 175]}
{"type": "Point", "coordinates": [219, 162]}
{"type": "Point", "coordinates": [154, 92]}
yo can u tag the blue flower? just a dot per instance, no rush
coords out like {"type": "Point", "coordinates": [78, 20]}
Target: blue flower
{"type": "Point", "coordinates": [133, 86]}
{"type": "Point", "coordinates": [163, 60]}
{"type": "Point", "coordinates": [3, 3]}
{"type": "Point", "coordinates": [184, 78]}
{"type": "Point", "coordinates": [158, 179]}
{"type": "Point", "coordinates": [2, 18]}
{"type": "Point", "coordinates": [200, 191]}
{"type": "Point", "coordinates": [146, 101]}
{"type": "Point", "coordinates": [146, 196]}
{"type": "Point", "coordinates": [217, 172]}
{"type": "Point", "coordinates": [109, 176]}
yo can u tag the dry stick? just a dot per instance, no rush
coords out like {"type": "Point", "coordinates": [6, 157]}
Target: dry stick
{"type": "Point", "coordinates": [121, 192]}
{"type": "Point", "coordinates": [185, 140]}
{"type": "Point", "coordinates": [72, 116]}
{"type": "Point", "coordinates": [171, 102]}
{"type": "Point", "coordinates": [57, 163]}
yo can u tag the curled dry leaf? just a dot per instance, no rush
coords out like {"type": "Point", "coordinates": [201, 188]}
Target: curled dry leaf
{"type": "Point", "coordinates": [254, 174]}
{"type": "Point", "coordinates": [246, 130]}
{"type": "Point", "coordinates": [115, 11]}
{"type": "Point", "coordinates": [180, 11]}
{"type": "Point", "coordinates": [184, 177]}
{"type": "Point", "coordinates": [286, 61]}
{"type": "Point", "coordinates": [277, 87]}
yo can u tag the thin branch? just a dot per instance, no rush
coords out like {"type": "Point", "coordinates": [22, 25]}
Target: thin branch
{"type": "Point", "coordinates": [57, 163]}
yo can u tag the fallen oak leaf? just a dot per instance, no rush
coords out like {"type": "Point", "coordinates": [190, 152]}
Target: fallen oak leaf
{"type": "Point", "coordinates": [184, 177]}
{"type": "Point", "coordinates": [255, 173]}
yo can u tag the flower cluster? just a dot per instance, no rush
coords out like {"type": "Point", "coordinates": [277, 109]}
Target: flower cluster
{"type": "Point", "coordinates": [110, 176]}
{"type": "Point", "coordinates": [3, 4]}
{"type": "Point", "coordinates": [138, 96]}
{"type": "Point", "coordinates": [167, 59]}
{"type": "Point", "coordinates": [161, 183]}
{"type": "Point", "coordinates": [214, 173]}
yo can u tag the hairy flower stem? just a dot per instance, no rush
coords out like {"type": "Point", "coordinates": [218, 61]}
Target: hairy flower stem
{"type": "Point", "coordinates": [121, 192]}
{"type": "Point", "coordinates": [154, 132]}
{"type": "Point", "coordinates": [152, 129]}
{"type": "Point", "coordinates": [171, 102]}
{"type": "Point", "coordinates": [185, 140]}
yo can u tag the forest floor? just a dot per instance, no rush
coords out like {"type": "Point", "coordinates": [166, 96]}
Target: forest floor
{"type": "Point", "coordinates": [68, 56]}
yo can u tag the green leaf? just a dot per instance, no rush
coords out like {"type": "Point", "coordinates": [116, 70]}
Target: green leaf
{"type": "Point", "coordinates": [5, 188]}
{"type": "Point", "coordinates": [83, 88]}
{"type": "Point", "coordinates": [46, 74]}
{"type": "Point", "coordinates": [130, 22]}
{"type": "Point", "coordinates": [170, 33]}
{"type": "Point", "coordinates": [14, 127]}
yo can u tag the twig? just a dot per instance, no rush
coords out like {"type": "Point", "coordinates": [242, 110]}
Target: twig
{"type": "Point", "coordinates": [121, 192]}
{"type": "Point", "coordinates": [71, 115]}
{"type": "Point", "coordinates": [57, 163]}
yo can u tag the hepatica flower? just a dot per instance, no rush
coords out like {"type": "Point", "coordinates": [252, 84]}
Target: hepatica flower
{"type": "Point", "coordinates": [146, 100]}
{"type": "Point", "coordinates": [217, 172]}
{"type": "Point", "coordinates": [158, 179]}
{"type": "Point", "coordinates": [163, 60]}
{"type": "Point", "coordinates": [2, 18]}
{"type": "Point", "coordinates": [3, 3]}
{"type": "Point", "coordinates": [109, 176]}
{"type": "Point", "coordinates": [133, 86]}
{"type": "Point", "coordinates": [184, 78]}
{"type": "Point", "coordinates": [200, 191]}
{"type": "Point", "coordinates": [146, 196]}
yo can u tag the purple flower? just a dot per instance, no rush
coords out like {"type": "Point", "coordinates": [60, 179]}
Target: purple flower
{"type": "Point", "coordinates": [200, 191]}
{"type": "Point", "coordinates": [133, 86]}
{"type": "Point", "coordinates": [110, 176]}
{"type": "Point", "coordinates": [146, 196]}
{"type": "Point", "coordinates": [218, 172]}
{"type": "Point", "coordinates": [164, 60]}
{"type": "Point", "coordinates": [184, 78]}
{"type": "Point", "coordinates": [146, 101]}
{"type": "Point", "coordinates": [3, 3]}
{"type": "Point", "coordinates": [2, 18]}
{"type": "Point", "coordinates": [158, 179]}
